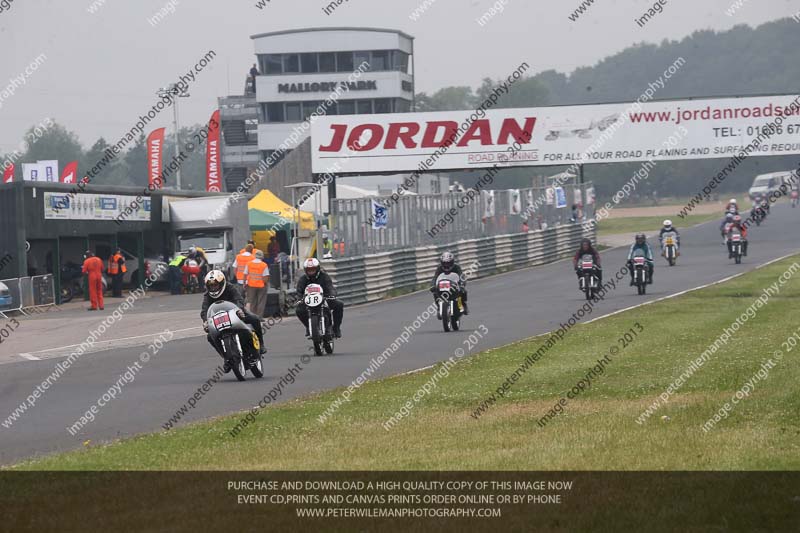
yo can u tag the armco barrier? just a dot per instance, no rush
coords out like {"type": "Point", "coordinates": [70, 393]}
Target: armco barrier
{"type": "Point", "coordinates": [373, 277]}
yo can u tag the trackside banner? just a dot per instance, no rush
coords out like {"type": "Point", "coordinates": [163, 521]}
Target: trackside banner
{"type": "Point", "coordinates": [540, 136]}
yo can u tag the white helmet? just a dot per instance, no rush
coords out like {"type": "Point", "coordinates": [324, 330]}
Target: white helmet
{"type": "Point", "coordinates": [312, 264]}
{"type": "Point", "coordinates": [215, 283]}
{"type": "Point", "coordinates": [732, 201]}
{"type": "Point", "coordinates": [668, 224]}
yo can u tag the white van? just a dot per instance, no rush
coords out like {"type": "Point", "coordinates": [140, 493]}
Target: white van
{"type": "Point", "coordinates": [764, 184]}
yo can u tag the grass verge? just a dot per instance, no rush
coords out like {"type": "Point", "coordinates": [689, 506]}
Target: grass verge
{"type": "Point", "coordinates": [612, 226]}
{"type": "Point", "coordinates": [596, 431]}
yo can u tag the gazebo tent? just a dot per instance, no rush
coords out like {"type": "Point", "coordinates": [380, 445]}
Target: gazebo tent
{"type": "Point", "coordinates": [269, 203]}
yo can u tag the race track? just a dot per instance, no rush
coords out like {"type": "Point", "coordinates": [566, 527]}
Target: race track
{"type": "Point", "coordinates": [511, 306]}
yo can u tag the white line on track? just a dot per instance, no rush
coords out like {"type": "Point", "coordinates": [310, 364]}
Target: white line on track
{"type": "Point", "coordinates": [100, 346]}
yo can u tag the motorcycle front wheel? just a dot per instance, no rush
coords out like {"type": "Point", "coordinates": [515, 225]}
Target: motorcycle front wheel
{"type": "Point", "coordinates": [446, 317]}
{"type": "Point", "coordinates": [316, 334]}
{"type": "Point", "coordinates": [234, 357]}
{"type": "Point", "coordinates": [66, 294]}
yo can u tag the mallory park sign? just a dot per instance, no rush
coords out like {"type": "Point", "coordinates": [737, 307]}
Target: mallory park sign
{"type": "Point", "coordinates": [327, 86]}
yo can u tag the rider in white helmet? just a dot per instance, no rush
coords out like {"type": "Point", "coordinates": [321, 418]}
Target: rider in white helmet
{"type": "Point", "coordinates": [732, 207]}
{"type": "Point", "coordinates": [315, 274]}
{"type": "Point", "coordinates": [447, 264]}
{"type": "Point", "coordinates": [667, 227]}
{"type": "Point", "coordinates": [218, 289]}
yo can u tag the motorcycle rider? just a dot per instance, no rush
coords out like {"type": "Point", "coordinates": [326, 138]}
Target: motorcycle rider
{"type": "Point", "coordinates": [642, 244]}
{"type": "Point", "coordinates": [218, 289]}
{"type": "Point", "coordinates": [736, 225]}
{"type": "Point", "coordinates": [314, 274]}
{"type": "Point", "coordinates": [667, 227]}
{"type": "Point", "coordinates": [587, 248]}
{"type": "Point", "coordinates": [199, 255]}
{"type": "Point", "coordinates": [447, 265]}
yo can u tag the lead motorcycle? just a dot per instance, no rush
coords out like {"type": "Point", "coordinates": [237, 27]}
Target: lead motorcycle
{"type": "Point", "coordinates": [237, 340]}
{"type": "Point", "coordinates": [588, 281]}
{"type": "Point", "coordinates": [736, 247]}
{"type": "Point", "coordinates": [448, 301]}
{"type": "Point", "coordinates": [320, 320]}
{"type": "Point", "coordinates": [640, 272]}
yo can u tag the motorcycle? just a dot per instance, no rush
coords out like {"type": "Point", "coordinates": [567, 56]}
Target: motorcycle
{"type": "Point", "coordinates": [72, 282]}
{"type": "Point", "coordinates": [640, 273]}
{"type": "Point", "coordinates": [238, 340]}
{"type": "Point", "coordinates": [794, 198]}
{"type": "Point", "coordinates": [758, 214]}
{"type": "Point", "coordinates": [190, 279]}
{"type": "Point", "coordinates": [736, 247]}
{"type": "Point", "coordinates": [449, 304]}
{"type": "Point", "coordinates": [320, 320]}
{"type": "Point", "coordinates": [588, 281]}
{"type": "Point", "coordinates": [670, 248]}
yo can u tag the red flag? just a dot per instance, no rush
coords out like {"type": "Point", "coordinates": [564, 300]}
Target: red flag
{"type": "Point", "coordinates": [8, 174]}
{"type": "Point", "coordinates": [213, 181]}
{"type": "Point", "coordinates": [155, 151]}
{"type": "Point", "coordinates": [69, 173]}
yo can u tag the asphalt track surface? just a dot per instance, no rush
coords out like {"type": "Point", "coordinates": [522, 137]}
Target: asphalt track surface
{"type": "Point", "coordinates": [511, 306]}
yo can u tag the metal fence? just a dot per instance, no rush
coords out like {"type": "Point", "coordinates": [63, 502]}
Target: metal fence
{"type": "Point", "coordinates": [372, 277]}
{"type": "Point", "coordinates": [18, 294]}
{"type": "Point", "coordinates": [439, 219]}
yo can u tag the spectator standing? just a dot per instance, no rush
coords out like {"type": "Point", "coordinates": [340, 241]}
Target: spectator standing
{"type": "Point", "coordinates": [116, 269]}
{"type": "Point", "coordinates": [256, 275]}
{"type": "Point", "coordinates": [93, 266]}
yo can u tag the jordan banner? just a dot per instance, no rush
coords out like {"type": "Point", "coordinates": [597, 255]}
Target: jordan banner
{"type": "Point", "coordinates": [155, 158]}
{"type": "Point", "coordinates": [702, 128]}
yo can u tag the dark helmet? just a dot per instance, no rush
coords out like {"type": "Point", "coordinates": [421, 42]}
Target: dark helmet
{"type": "Point", "coordinates": [586, 244]}
{"type": "Point", "coordinates": [448, 261]}
{"type": "Point", "coordinates": [640, 238]}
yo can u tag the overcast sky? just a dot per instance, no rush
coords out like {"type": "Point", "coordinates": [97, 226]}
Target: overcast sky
{"type": "Point", "coordinates": [101, 70]}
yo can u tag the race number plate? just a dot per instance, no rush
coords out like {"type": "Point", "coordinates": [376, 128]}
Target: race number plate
{"type": "Point", "coordinates": [222, 321]}
{"type": "Point", "coordinates": [444, 285]}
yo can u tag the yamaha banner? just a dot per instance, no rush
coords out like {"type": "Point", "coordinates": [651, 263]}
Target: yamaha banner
{"type": "Point", "coordinates": [213, 174]}
{"type": "Point", "coordinates": [155, 158]}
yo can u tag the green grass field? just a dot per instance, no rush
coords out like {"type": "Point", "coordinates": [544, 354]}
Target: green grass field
{"type": "Point", "coordinates": [596, 431]}
{"type": "Point", "coordinates": [612, 226]}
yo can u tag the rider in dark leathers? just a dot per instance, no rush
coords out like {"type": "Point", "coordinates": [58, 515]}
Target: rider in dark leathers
{"type": "Point", "coordinates": [448, 265]}
{"type": "Point", "coordinates": [315, 274]}
{"type": "Point", "coordinates": [217, 289]}
{"type": "Point", "coordinates": [587, 248]}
